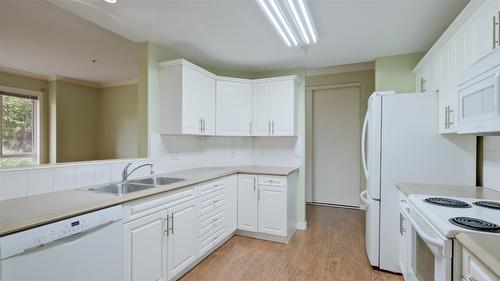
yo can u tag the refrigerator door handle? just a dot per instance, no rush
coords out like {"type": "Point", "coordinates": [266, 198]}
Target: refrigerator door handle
{"type": "Point", "coordinates": [364, 198]}
{"type": "Point", "coordinates": [363, 139]}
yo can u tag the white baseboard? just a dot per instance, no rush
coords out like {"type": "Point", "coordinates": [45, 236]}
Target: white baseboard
{"type": "Point", "coordinates": [302, 225]}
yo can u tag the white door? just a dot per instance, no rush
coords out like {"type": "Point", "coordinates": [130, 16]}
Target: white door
{"type": "Point", "coordinates": [144, 252]}
{"type": "Point", "coordinates": [231, 207]}
{"type": "Point", "coordinates": [336, 141]}
{"type": "Point", "coordinates": [272, 210]}
{"type": "Point", "coordinates": [247, 202]}
{"type": "Point", "coordinates": [182, 237]}
{"type": "Point", "coordinates": [261, 107]}
{"type": "Point", "coordinates": [234, 108]}
{"type": "Point", "coordinates": [193, 87]}
{"type": "Point", "coordinates": [282, 108]}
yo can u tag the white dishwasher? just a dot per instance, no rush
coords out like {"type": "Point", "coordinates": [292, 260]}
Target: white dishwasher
{"type": "Point", "coordinates": [83, 248]}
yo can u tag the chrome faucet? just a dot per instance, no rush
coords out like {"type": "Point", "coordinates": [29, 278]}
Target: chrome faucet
{"type": "Point", "coordinates": [126, 173]}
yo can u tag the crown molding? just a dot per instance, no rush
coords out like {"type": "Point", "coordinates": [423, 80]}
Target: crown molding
{"type": "Point", "coordinates": [118, 83]}
{"type": "Point", "coordinates": [340, 68]}
{"type": "Point", "coordinates": [24, 73]}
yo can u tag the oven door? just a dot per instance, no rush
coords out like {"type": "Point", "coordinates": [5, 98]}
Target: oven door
{"type": "Point", "coordinates": [428, 252]}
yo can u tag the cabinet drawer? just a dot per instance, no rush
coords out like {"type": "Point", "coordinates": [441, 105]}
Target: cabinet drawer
{"type": "Point", "coordinates": [474, 270]}
{"type": "Point", "coordinates": [210, 203]}
{"type": "Point", "coordinates": [272, 180]}
{"type": "Point", "coordinates": [210, 239]}
{"type": "Point", "coordinates": [149, 205]}
{"type": "Point", "coordinates": [211, 186]}
{"type": "Point", "coordinates": [211, 220]}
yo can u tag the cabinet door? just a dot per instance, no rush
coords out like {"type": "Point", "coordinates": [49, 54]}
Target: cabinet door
{"type": "Point", "coordinates": [194, 88]}
{"type": "Point", "coordinates": [247, 202]}
{"type": "Point", "coordinates": [261, 107]}
{"type": "Point", "coordinates": [272, 210]}
{"type": "Point", "coordinates": [231, 211]}
{"type": "Point", "coordinates": [208, 103]}
{"type": "Point", "coordinates": [144, 248]}
{"type": "Point", "coordinates": [483, 28]}
{"type": "Point", "coordinates": [182, 237]}
{"type": "Point", "coordinates": [283, 108]}
{"type": "Point", "coordinates": [234, 108]}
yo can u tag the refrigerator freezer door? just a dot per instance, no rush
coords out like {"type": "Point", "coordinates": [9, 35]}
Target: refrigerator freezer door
{"type": "Point", "coordinates": [372, 228]}
{"type": "Point", "coordinates": [414, 151]}
{"type": "Point", "coordinates": [373, 150]}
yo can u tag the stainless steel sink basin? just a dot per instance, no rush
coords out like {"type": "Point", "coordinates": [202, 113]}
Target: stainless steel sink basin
{"type": "Point", "coordinates": [157, 180]}
{"type": "Point", "coordinates": [133, 185]}
{"type": "Point", "coordinates": [120, 188]}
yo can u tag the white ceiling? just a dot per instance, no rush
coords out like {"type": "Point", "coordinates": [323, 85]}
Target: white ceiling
{"type": "Point", "coordinates": [40, 38]}
{"type": "Point", "coordinates": [236, 34]}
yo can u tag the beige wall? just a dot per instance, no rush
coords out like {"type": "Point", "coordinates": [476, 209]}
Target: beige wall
{"type": "Point", "coordinates": [365, 78]}
{"type": "Point", "coordinates": [21, 82]}
{"type": "Point", "coordinates": [117, 128]}
{"type": "Point", "coordinates": [77, 120]}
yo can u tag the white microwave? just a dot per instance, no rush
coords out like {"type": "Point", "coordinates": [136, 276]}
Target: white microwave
{"type": "Point", "coordinates": [479, 97]}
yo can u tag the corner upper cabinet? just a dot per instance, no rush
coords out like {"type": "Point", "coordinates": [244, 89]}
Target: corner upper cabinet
{"type": "Point", "coordinates": [234, 107]}
{"type": "Point", "coordinates": [274, 106]}
{"type": "Point", "coordinates": [187, 99]}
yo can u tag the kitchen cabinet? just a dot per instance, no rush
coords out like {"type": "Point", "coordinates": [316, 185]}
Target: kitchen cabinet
{"type": "Point", "coordinates": [144, 253]}
{"type": "Point", "coordinates": [471, 36]}
{"type": "Point", "coordinates": [234, 107]}
{"type": "Point", "coordinates": [182, 237]}
{"type": "Point", "coordinates": [187, 99]}
{"type": "Point", "coordinates": [231, 198]}
{"type": "Point", "coordinates": [403, 238]}
{"type": "Point", "coordinates": [272, 210]}
{"type": "Point", "coordinates": [475, 270]}
{"type": "Point", "coordinates": [274, 107]}
{"type": "Point", "coordinates": [247, 202]}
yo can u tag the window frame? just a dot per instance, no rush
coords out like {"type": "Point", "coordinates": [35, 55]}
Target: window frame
{"type": "Point", "coordinates": [35, 155]}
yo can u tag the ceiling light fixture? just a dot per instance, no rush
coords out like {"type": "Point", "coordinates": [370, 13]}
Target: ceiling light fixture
{"type": "Point", "coordinates": [291, 19]}
{"type": "Point", "coordinates": [111, 1]}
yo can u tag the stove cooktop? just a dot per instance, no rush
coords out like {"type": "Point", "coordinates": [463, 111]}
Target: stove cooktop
{"type": "Point", "coordinates": [452, 215]}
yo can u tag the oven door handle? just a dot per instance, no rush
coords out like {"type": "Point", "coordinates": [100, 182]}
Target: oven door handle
{"type": "Point", "coordinates": [438, 243]}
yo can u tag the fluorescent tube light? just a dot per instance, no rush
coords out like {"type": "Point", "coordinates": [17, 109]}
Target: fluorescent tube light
{"type": "Point", "coordinates": [111, 1]}
{"type": "Point", "coordinates": [309, 24]}
{"type": "Point", "coordinates": [274, 22]}
{"type": "Point", "coordinates": [293, 24]}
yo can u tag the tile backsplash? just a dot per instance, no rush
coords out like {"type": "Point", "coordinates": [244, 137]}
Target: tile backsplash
{"type": "Point", "coordinates": [168, 153]}
{"type": "Point", "coordinates": [47, 178]}
{"type": "Point", "coordinates": [491, 162]}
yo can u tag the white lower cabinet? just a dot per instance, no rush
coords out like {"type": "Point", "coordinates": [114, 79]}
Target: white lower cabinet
{"type": "Point", "coordinates": [231, 210]}
{"type": "Point", "coordinates": [272, 210]}
{"type": "Point", "coordinates": [181, 237]}
{"type": "Point", "coordinates": [474, 270]}
{"type": "Point", "coordinates": [266, 206]}
{"type": "Point", "coordinates": [144, 253]}
{"type": "Point", "coordinates": [247, 202]}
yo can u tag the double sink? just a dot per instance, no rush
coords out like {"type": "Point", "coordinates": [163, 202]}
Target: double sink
{"type": "Point", "coordinates": [134, 185]}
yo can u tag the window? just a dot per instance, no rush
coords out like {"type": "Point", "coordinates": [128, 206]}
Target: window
{"type": "Point", "coordinates": [19, 129]}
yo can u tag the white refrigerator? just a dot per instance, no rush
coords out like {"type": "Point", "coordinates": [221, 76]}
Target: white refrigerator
{"type": "Point", "coordinates": [401, 143]}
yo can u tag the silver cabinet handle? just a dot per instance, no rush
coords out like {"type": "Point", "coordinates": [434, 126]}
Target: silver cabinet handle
{"type": "Point", "coordinates": [422, 84]}
{"type": "Point", "coordinates": [258, 195]}
{"type": "Point", "coordinates": [254, 184]}
{"type": "Point", "coordinates": [273, 127]}
{"type": "Point", "coordinates": [250, 128]}
{"type": "Point", "coordinates": [498, 24]}
{"type": "Point", "coordinates": [450, 115]}
{"type": "Point", "coordinates": [401, 224]}
{"type": "Point", "coordinates": [166, 221]}
{"type": "Point", "coordinates": [269, 127]}
{"type": "Point", "coordinates": [495, 41]}
{"type": "Point", "coordinates": [446, 117]}
{"type": "Point", "coordinates": [204, 125]}
{"type": "Point", "coordinates": [201, 124]}
{"type": "Point", "coordinates": [172, 223]}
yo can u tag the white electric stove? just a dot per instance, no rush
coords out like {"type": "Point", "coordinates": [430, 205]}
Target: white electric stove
{"type": "Point", "coordinates": [452, 215]}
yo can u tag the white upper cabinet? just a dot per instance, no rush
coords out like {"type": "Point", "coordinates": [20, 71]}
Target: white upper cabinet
{"type": "Point", "coordinates": [187, 99]}
{"type": "Point", "coordinates": [471, 36]}
{"type": "Point", "coordinates": [194, 101]}
{"type": "Point", "coordinates": [234, 107]}
{"type": "Point", "coordinates": [274, 107]}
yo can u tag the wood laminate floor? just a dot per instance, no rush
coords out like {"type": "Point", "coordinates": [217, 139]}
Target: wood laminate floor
{"type": "Point", "coordinates": [332, 248]}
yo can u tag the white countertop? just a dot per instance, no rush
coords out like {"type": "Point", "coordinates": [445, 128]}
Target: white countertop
{"type": "Point", "coordinates": [26, 212]}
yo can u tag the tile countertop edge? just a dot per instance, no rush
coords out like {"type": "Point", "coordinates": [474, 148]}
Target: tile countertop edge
{"type": "Point", "coordinates": [483, 246]}
{"type": "Point", "coordinates": [98, 201]}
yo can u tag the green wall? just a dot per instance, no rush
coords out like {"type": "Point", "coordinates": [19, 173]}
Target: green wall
{"type": "Point", "coordinates": [365, 78]}
{"type": "Point", "coordinates": [394, 73]}
{"type": "Point", "coordinates": [22, 82]}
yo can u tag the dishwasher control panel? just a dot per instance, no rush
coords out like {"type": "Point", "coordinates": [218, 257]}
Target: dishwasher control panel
{"type": "Point", "coordinates": [20, 242]}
